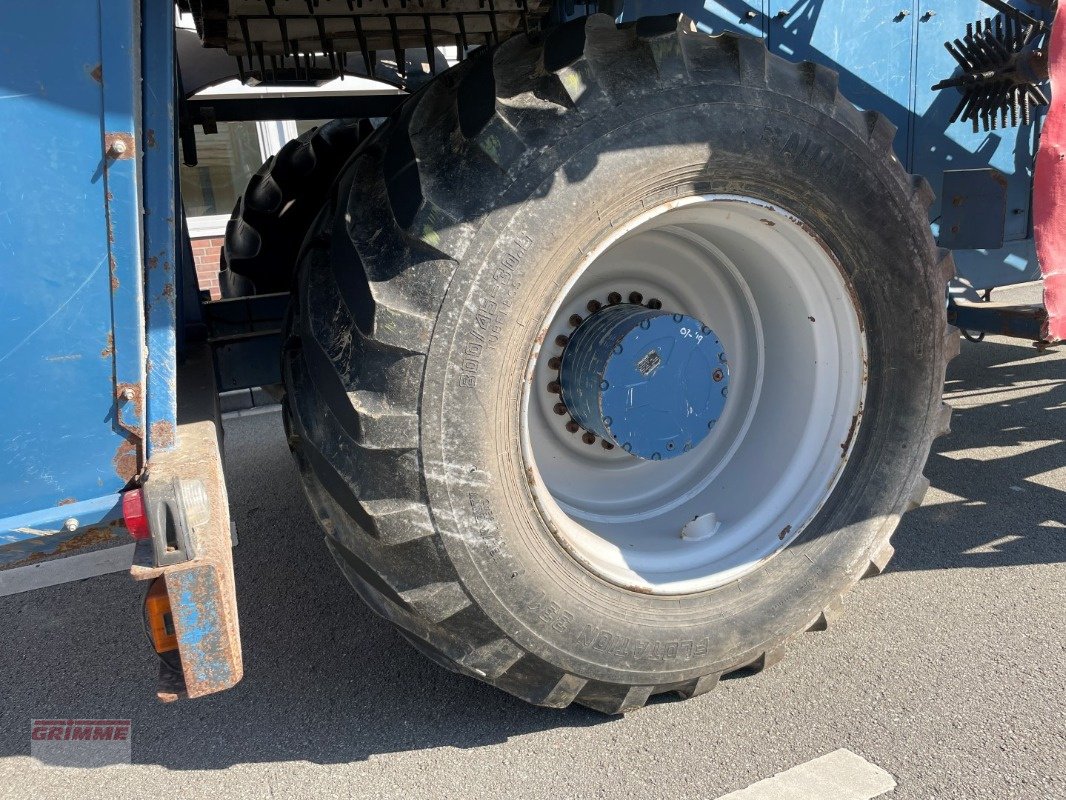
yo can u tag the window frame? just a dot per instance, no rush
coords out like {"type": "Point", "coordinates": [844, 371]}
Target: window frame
{"type": "Point", "coordinates": [272, 134]}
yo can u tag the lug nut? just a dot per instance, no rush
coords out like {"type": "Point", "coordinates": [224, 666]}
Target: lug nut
{"type": "Point", "coordinates": [718, 375]}
{"type": "Point", "coordinates": [555, 388]}
{"type": "Point", "coordinates": [572, 426]}
{"type": "Point", "coordinates": [589, 438]}
{"type": "Point", "coordinates": [575, 320]}
{"type": "Point", "coordinates": [614, 298]}
{"type": "Point", "coordinates": [71, 525]}
{"type": "Point", "coordinates": [559, 408]}
{"type": "Point", "coordinates": [655, 304]}
{"type": "Point", "coordinates": [593, 306]}
{"type": "Point", "coordinates": [555, 362]}
{"type": "Point", "coordinates": [561, 340]}
{"type": "Point", "coordinates": [636, 298]}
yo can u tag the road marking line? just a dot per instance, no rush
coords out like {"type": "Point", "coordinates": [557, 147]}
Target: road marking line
{"type": "Point", "coordinates": [840, 775]}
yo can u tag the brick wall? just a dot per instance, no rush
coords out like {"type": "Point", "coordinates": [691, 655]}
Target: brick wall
{"type": "Point", "coordinates": [205, 254]}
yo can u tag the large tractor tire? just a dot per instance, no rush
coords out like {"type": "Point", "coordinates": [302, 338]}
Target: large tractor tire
{"type": "Point", "coordinates": [466, 302]}
{"type": "Point", "coordinates": [275, 211]}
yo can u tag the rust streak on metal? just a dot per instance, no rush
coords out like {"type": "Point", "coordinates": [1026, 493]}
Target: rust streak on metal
{"type": "Point", "coordinates": [162, 433]}
{"type": "Point", "coordinates": [90, 537]}
{"type": "Point", "coordinates": [127, 460]}
{"type": "Point", "coordinates": [785, 531]}
{"type": "Point", "coordinates": [97, 73]}
{"type": "Point", "coordinates": [855, 303]}
{"type": "Point", "coordinates": [66, 501]}
{"type": "Point", "coordinates": [1004, 319]}
{"type": "Point", "coordinates": [131, 393]}
{"type": "Point", "coordinates": [124, 151]}
{"type": "Point", "coordinates": [109, 349]}
{"type": "Point", "coordinates": [846, 444]}
{"type": "Point", "coordinates": [129, 405]}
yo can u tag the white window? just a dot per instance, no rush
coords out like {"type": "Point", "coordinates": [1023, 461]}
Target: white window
{"type": "Point", "coordinates": [225, 162]}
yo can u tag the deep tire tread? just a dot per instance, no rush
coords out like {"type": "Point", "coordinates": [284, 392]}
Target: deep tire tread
{"type": "Point", "coordinates": [269, 220]}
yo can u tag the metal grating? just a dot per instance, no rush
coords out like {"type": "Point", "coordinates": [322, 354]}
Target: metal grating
{"type": "Point", "coordinates": [313, 40]}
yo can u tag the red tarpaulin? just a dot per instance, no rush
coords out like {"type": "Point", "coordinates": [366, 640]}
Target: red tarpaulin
{"type": "Point", "coordinates": [1049, 190]}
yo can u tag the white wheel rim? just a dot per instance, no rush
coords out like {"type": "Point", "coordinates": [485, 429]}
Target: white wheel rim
{"type": "Point", "coordinates": [783, 308]}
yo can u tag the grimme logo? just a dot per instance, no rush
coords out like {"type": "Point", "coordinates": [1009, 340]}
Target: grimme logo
{"type": "Point", "coordinates": [80, 742]}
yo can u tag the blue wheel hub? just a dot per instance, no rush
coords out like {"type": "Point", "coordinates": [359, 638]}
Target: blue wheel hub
{"type": "Point", "coordinates": [648, 381]}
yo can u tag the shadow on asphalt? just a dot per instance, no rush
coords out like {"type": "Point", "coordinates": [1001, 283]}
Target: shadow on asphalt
{"type": "Point", "coordinates": [999, 512]}
{"type": "Point", "coordinates": [328, 682]}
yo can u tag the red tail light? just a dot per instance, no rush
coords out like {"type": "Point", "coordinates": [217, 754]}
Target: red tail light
{"type": "Point", "coordinates": [133, 514]}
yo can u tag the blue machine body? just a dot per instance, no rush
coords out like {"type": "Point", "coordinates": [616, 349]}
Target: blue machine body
{"type": "Point", "coordinates": [84, 359]}
{"type": "Point", "coordinates": [89, 218]}
{"type": "Point", "coordinates": [888, 56]}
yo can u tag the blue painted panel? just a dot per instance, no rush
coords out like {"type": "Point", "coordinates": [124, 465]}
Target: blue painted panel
{"type": "Point", "coordinates": [27, 537]}
{"type": "Point", "coordinates": [939, 146]}
{"type": "Point", "coordinates": [59, 436]}
{"type": "Point", "coordinates": [888, 56]}
{"type": "Point", "coordinates": [162, 280]}
{"type": "Point", "coordinates": [712, 16]}
{"type": "Point", "coordinates": [870, 45]}
{"type": "Point", "coordinates": [121, 68]}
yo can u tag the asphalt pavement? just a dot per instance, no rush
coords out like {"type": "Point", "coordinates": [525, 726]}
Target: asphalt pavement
{"type": "Point", "coordinates": [948, 671]}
